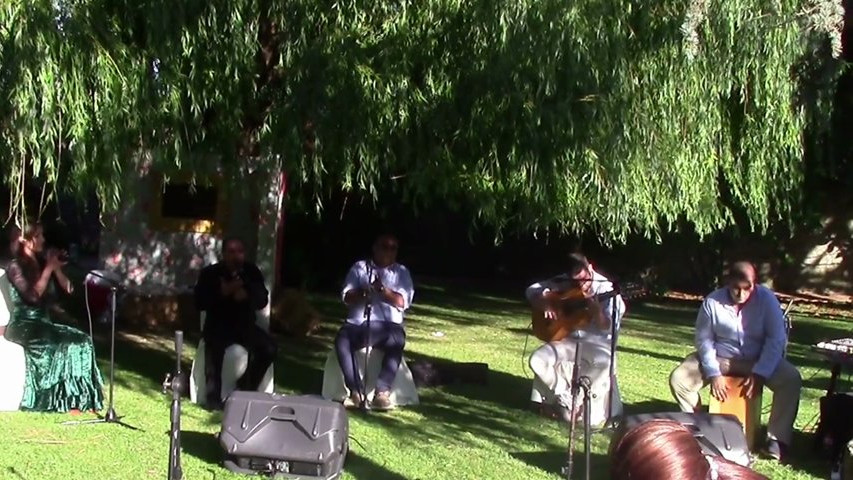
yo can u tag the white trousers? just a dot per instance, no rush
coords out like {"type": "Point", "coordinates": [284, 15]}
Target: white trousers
{"type": "Point", "coordinates": [553, 365]}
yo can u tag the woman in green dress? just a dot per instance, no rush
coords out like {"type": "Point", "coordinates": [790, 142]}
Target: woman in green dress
{"type": "Point", "coordinates": [62, 374]}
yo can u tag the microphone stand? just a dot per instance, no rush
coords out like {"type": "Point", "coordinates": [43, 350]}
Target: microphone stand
{"type": "Point", "coordinates": [110, 416]}
{"type": "Point", "coordinates": [579, 383]}
{"type": "Point", "coordinates": [614, 332]}
{"type": "Point", "coordinates": [368, 307]}
{"type": "Point", "coordinates": [175, 383]}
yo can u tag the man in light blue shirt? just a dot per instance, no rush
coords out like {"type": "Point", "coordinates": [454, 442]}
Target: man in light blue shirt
{"type": "Point", "coordinates": [740, 331]}
{"type": "Point", "coordinates": [376, 291]}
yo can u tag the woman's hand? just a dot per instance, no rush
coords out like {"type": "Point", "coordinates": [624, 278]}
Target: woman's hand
{"type": "Point", "coordinates": [54, 260]}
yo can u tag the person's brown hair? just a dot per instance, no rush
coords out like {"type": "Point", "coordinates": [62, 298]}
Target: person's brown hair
{"type": "Point", "coordinates": [664, 449]}
{"type": "Point", "coordinates": [16, 234]}
{"type": "Point", "coordinates": [576, 262]}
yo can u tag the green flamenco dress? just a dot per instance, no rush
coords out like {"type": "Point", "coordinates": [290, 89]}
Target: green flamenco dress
{"type": "Point", "coordinates": [62, 373]}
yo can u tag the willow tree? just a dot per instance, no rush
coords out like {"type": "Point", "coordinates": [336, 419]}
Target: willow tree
{"type": "Point", "coordinates": [611, 115]}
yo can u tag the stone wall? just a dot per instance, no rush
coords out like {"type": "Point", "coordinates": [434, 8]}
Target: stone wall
{"type": "Point", "coordinates": [159, 262]}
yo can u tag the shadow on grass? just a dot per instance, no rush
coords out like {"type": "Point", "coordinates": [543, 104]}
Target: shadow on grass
{"type": "Point", "coordinates": [298, 366]}
{"type": "Point", "coordinates": [363, 468]}
{"type": "Point", "coordinates": [205, 447]}
{"type": "Point", "coordinates": [150, 363]}
{"type": "Point", "coordinates": [14, 473]}
{"type": "Point", "coordinates": [502, 389]}
{"type": "Point", "coordinates": [465, 413]}
{"type": "Point", "coordinates": [803, 457]}
{"type": "Point", "coordinates": [461, 423]}
{"type": "Point", "coordinates": [806, 334]}
{"type": "Point", "coordinates": [649, 353]}
{"type": "Point", "coordinates": [553, 462]}
{"type": "Point", "coordinates": [650, 406]}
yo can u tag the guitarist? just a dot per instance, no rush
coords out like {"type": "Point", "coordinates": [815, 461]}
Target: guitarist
{"type": "Point", "coordinates": [553, 362]}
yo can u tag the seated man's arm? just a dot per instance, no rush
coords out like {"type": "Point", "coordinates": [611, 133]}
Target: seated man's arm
{"type": "Point", "coordinates": [705, 349]}
{"type": "Point", "coordinates": [352, 293]}
{"type": "Point", "coordinates": [401, 294]}
{"type": "Point", "coordinates": [255, 287]}
{"type": "Point", "coordinates": [535, 292]}
{"type": "Point", "coordinates": [774, 345]}
{"type": "Point", "coordinates": [207, 290]}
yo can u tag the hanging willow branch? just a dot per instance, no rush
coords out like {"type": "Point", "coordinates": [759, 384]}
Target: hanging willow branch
{"type": "Point", "coordinates": [603, 115]}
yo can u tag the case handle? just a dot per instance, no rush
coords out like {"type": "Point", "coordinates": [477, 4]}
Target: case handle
{"type": "Point", "coordinates": [282, 413]}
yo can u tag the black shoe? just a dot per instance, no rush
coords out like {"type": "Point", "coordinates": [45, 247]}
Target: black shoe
{"type": "Point", "coordinates": [777, 451]}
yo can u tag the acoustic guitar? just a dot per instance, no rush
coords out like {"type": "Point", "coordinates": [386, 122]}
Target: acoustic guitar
{"type": "Point", "coordinates": [574, 311]}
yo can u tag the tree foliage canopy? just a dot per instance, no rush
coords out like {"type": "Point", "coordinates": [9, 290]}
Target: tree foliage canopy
{"type": "Point", "coordinates": [610, 115]}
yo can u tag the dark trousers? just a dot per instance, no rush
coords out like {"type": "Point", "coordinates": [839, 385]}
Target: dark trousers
{"type": "Point", "coordinates": [388, 337]}
{"type": "Point", "coordinates": [262, 352]}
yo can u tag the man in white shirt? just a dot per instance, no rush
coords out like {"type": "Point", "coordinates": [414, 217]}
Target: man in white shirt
{"type": "Point", "coordinates": [553, 362]}
{"type": "Point", "coordinates": [379, 289]}
{"type": "Point", "coordinates": [740, 330]}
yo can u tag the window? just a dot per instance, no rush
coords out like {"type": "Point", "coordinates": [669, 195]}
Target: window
{"type": "Point", "coordinates": [179, 205]}
{"type": "Point", "coordinates": [183, 201]}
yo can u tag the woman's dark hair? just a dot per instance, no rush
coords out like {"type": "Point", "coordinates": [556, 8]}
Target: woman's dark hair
{"type": "Point", "coordinates": [659, 449]}
{"type": "Point", "coordinates": [10, 242]}
{"type": "Point", "coordinates": [16, 234]}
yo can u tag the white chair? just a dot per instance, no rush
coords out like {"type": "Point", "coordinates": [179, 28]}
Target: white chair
{"type": "Point", "coordinates": [13, 374]}
{"type": "Point", "coordinates": [595, 363]}
{"type": "Point", "coordinates": [234, 365]}
{"type": "Point", "coordinates": [403, 390]}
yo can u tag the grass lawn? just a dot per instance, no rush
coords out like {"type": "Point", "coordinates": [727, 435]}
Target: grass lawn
{"type": "Point", "coordinates": [460, 432]}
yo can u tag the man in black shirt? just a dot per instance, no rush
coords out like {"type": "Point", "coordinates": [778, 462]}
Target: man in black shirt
{"type": "Point", "coordinates": [231, 292]}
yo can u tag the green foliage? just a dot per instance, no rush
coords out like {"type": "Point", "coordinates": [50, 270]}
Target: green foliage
{"type": "Point", "coordinates": [611, 116]}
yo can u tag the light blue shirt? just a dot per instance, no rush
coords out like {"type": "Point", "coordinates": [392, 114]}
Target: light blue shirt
{"type": "Point", "coordinates": [394, 277]}
{"type": "Point", "coordinates": [755, 333]}
{"type": "Point", "coordinates": [600, 285]}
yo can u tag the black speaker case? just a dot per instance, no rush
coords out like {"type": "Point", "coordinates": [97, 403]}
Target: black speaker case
{"type": "Point", "coordinates": [720, 435]}
{"type": "Point", "coordinates": [295, 437]}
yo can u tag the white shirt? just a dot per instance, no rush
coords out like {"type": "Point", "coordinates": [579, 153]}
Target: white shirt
{"type": "Point", "coordinates": [394, 277]}
{"type": "Point", "coordinates": [600, 285]}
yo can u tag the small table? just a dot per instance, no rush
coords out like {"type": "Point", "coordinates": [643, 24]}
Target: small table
{"type": "Point", "coordinates": [840, 353]}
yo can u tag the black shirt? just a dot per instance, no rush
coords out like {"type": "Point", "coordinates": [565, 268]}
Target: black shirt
{"type": "Point", "coordinates": [226, 313]}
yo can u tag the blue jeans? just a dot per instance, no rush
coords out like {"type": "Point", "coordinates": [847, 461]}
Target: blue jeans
{"type": "Point", "coordinates": [388, 337]}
